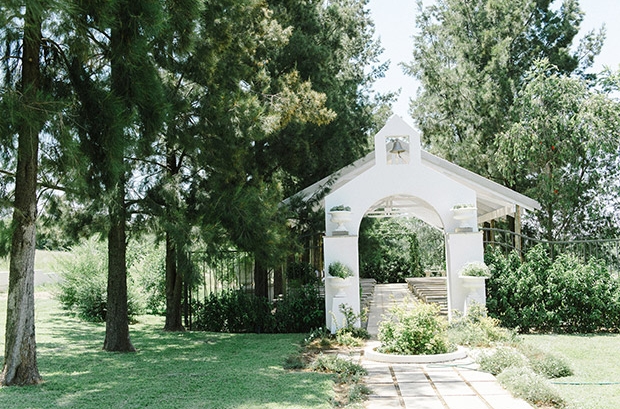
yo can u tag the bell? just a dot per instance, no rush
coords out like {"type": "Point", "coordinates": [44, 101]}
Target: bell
{"type": "Point", "coordinates": [397, 147]}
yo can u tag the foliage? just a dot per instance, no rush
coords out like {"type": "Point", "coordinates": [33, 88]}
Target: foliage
{"type": "Point", "coordinates": [350, 335]}
{"type": "Point", "coordinates": [237, 311]}
{"type": "Point", "coordinates": [393, 249]}
{"type": "Point", "coordinates": [500, 359]}
{"type": "Point", "coordinates": [562, 151]}
{"type": "Point", "coordinates": [525, 383]}
{"type": "Point", "coordinates": [478, 330]}
{"type": "Point", "coordinates": [545, 363]}
{"type": "Point", "coordinates": [340, 208]}
{"type": "Point", "coordinates": [300, 273]}
{"type": "Point", "coordinates": [414, 330]}
{"type": "Point", "coordinates": [83, 284]}
{"type": "Point", "coordinates": [344, 369]}
{"type": "Point", "coordinates": [340, 270]}
{"type": "Point", "coordinates": [470, 78]}
{"type": "Point", "coordinates": [475, 269]}
{"type": "Point", "coordinates": [332, 45]}
{"type": "Point", "coordinates": [562, 295]}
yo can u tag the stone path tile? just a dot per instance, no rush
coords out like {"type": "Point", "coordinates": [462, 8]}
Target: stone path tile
{"type": "Point", "coordinates": [454, 385]}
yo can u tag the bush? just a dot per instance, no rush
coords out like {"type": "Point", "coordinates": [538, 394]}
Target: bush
{"type": "Point", "coordinates": [237, 311]}
{"type": "Point", "coordinates": [476, 329]}
{"type": "Point", "coordinates": [526, 384]}
{"type": "Point", "coordinates": [564, 295]}
{"type": "Point", "coordinates": [544, 363]}
{"type": "Point", "coordinates": [345, 370]}
{"type": "Point", "coordinates": [83, 286]}
{"type": "Point", "coordinates": [500, 359]}
{"type": "Point", "coordinates": [414, 330]}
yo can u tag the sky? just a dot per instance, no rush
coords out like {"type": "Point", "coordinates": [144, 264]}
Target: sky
{"type": "Point", "coordinates": [395, 26]}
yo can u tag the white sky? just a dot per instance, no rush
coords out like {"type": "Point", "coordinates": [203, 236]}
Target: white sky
{"type": "Point", "coordinates": [395, 26]}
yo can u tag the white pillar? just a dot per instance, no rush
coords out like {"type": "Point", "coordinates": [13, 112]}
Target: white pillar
{"type": "Point", "coordinates": [343, 249]}
{"type": "Point", "coordinates": [461, 248]}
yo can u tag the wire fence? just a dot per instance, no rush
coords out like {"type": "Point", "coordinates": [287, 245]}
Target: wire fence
{"type": "Point", "coordinates": [605, 250]}
{"type": "Point", "coordinates": [235, 270]}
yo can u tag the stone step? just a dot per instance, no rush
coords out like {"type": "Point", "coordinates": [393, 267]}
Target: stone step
{"type": "Point", "coordinates": [430, 290]}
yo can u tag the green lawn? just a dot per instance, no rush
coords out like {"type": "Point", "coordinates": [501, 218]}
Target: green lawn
{"type": "Point", "coordinates": [170, 370]}
{"type": "Point", "coordinates": [596, 362]}
{"type": "Point", "coordinates": [44, 260]}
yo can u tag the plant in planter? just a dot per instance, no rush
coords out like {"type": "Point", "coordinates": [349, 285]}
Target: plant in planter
{"type": "Point", "coordinates": [337, 269]}
{"type": "Point", "coordinates": [340, 215]}
{"type": "Point", "coordinates": [338, 275]}
{"type": "Point", "coordinates": [475, 269]}
{"type": "Point", "coordinates": [466, 214]}
{"type": "Point", "coordinates": [473, 276]}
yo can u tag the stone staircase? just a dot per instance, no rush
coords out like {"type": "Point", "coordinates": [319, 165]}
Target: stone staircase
{"type": "Point", "coordinates": [430, 290]}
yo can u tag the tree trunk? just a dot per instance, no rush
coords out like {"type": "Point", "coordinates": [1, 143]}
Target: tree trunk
{"type": "Point", "coordinates": [261, 284]}
{"type": "Point", "coordinates": [117, 320]}
{"type": "Point", "coordinates": [20, 354]}
{"type": "Point", "coordinates": [174, 289]}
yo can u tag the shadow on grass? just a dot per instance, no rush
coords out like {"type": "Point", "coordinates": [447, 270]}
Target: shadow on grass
{"type": "Point", "coordinates": [169, 370]}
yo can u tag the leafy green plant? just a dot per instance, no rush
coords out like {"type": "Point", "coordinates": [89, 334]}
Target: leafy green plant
{"type": "Point", "coordinates": [299, 273]}
{"type": "Point", "coordinates": [464, 206]}
{"type": "Point", "coordinates": [300, 310]}
{"type": "Point", "coordinates": [338, 269]}
{"type": "Point", "coordinates": [499, 359]}
{"type": "Point", "coordinates": [345, 370]}
{"type": "Point", "coordinates": [340, 208]}
{"type": "Point", "coordinates": [477, 329]}
{"type": "Point", "coordinates": [475, 269]}
{"type": "Point", "coordinates": [565, 294]}
{"type": "Point", "coordinates": [524, 383]}
{"type": "Point", "coordinates": [545, 363]}
{"type": "Point", "coordinates": [414, 329]}
{"type": "Point", "coordinates": [83, 286]}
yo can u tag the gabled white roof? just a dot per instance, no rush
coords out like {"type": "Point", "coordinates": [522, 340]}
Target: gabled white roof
{"type": "Point", "coordinates": [493, 200]}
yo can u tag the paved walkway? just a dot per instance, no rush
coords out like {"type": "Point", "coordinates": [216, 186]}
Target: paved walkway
{"type": "Point", "coordinates": [450, 385]}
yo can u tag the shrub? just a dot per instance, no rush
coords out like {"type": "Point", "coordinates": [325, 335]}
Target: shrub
{"type": "Point", "coordinates": [564, 295]}
{"type": "Point", "coordinates": [83, 286]}
{"type": "Point", "coordinates": [498, 360]}
{"type": "Point", "coordinates": [544, 363]}
{"type": "Point", "coordinates": [476, 329]}
{"type": "Point", "coordinates": [345, 370]}
{"type": "Point", "coordinates": [414, 330]}
{"type": "Point", "coordinates": [237, 311]}
{"type": "Point", "coordinates": [526, 384]}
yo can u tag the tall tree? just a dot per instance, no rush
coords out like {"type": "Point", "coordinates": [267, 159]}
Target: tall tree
{"type": "Point", "coordinates": [332, 46]}
{"type": "Point", "coordinates": [120, 107]}
{"type": "Point", "coordinates": [20, 356]}
{"type": "Point", "coordinates": [563, 147]}
{"type": "Point", "coordinates": [472, 58]}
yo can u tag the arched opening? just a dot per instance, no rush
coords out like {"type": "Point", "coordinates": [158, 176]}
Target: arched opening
{"type": "Point", "coordinates": [398, 241]}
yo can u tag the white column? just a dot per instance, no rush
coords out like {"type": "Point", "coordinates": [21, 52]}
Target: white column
{"type": "Point", "coordinates": [461, 248]}
{"type": "Point", "coordinates": [343, 249]}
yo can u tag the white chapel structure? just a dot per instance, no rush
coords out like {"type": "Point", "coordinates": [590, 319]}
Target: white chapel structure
{"type": "Point", "coordinates": [399, 179]}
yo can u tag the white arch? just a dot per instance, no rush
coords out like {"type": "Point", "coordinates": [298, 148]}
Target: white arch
{"type": "Point", "coordinates": [399, 168]}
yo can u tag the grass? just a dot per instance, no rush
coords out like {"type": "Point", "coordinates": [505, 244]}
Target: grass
{"type": "Point", "coordinates": [44, 260]}
{"type": "Point", "coordinates": [594, 360]}
{"type": "Point", "coordinates": [170, 370]}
